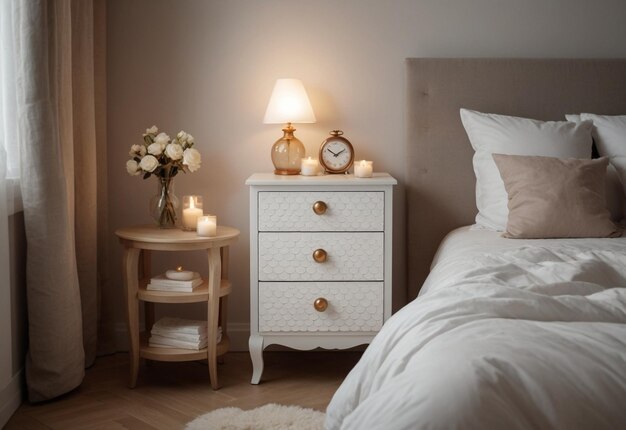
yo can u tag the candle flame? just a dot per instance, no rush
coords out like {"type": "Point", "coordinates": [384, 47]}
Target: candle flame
{"type": "Point", "coordinates": [363, 163]}
{"type": "Point", "coordinates": [192, 202]}
{"type": "Point", "coordinates": [179, 269]}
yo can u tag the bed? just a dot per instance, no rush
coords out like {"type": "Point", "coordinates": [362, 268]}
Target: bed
{"type": "Point", "coordinates": [506, 333]}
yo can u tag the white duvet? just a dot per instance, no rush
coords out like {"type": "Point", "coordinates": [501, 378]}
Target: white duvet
{"type": "Point", "coordinates": [518, 338]}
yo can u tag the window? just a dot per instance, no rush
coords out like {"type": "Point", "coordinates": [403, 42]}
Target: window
{"type": "Point", "coordinates": [9, 130]}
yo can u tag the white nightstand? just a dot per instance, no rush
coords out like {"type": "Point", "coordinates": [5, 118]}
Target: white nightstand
{"type": "Point", "coordinates": [320, 261]}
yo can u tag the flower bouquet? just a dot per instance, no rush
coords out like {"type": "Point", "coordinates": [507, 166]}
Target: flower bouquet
{"type": "Point", "coordinates": [164, 158]}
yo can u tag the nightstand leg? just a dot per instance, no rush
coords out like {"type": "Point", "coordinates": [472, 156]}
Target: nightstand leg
{"type": "Point", "coordinates": [215, 275]}
{"type": "Point", "coordinates": [255, 344]}
{"type": "Point", "coordinates": [131, 273]}
{"type": "Point", "coordinates": [224, 302]}
{"type": "Point", "coordinates": [149, 315]}
{"type": "Point", "coordinates": [223, 320]}
{"type": "Point", "coordinates": [146, 272]}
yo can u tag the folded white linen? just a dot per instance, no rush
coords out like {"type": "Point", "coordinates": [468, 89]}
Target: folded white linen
{"type": "Point", "coordinates": [180, 325]}
{"type": "Point", "coordinates": [185, 337]}
{"type": "Point", "coordinates": [179, 345]}
{"type": "Point", "coordinates": [518, 338]}
{"type": "Point", "coordinates": [160, 341]}
{"type": "Point", "coordinates": [181, 335]}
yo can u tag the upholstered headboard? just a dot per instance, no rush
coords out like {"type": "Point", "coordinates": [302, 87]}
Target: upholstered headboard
{"type": "Point", "coordinates": [440, 179]}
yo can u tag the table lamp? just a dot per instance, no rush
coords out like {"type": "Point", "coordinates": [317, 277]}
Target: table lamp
{"type": "Point", "coordinates": [288, 104]}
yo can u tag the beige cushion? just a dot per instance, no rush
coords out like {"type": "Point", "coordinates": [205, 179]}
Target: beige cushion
{"type": "Point", "coordinates": [555, 198]}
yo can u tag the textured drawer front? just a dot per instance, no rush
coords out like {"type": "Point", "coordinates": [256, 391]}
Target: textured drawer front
{"type": "Point", "coordinates": [346, 211]}
{"type": "Point", "coordinates": [352, 306]}
{"type": "Point", "coordinates": [351, 257]}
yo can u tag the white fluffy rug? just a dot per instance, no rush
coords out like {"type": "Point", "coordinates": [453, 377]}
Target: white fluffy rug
{"type": "Point", "coordinates": [270, 416]}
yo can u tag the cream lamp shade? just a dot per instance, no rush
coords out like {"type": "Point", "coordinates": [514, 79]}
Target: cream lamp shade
{"type": "Point", "coordinates": [288, 104]}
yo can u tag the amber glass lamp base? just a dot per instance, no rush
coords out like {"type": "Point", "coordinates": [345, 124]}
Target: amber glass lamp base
{"type": "Point", "coordinates": [287, 153]}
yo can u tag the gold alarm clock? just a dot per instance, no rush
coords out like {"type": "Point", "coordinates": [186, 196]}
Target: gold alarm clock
{"type": "Point", "coordinates": [336, 153]}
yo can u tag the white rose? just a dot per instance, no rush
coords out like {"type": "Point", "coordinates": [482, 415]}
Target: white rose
{"type": "Point", "coordinates": [137, 150]}
{"type": "Point", "coordinates": [182, 135]}
{"type": "Point", "coordinates": [149, 163]}
{"type": "Point", "coordinates": [132, 168]}
{"type": "Point", "coordinates": [190, 139]}
{"type": "Point", "coordinates": [152, 130]}
{"type": "Point", "coordinates": [192, 159]}
{"type": "Point", "coordinates": [155, 148]}
{"type": "Point", "coordinates": [162, 139]}
{"type": "Point", "coordinates": [174, 151]}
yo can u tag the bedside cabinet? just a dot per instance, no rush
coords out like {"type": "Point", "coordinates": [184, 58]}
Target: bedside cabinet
{"type": "Point", "coordinates": [320, 261]}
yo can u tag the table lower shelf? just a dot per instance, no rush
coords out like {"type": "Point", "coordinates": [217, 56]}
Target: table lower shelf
{"type": "Point", "coordinates": [200, 294]}
{"type": "Point", "coordinates": [178, 354]}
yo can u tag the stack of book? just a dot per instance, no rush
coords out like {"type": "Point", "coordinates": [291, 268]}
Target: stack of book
{"type": "Point", "coordinates": [162, 283]}
{"type": "Point", "coordinates": [180, 333]}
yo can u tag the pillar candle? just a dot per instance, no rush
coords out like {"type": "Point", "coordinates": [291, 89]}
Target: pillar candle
{"type": "Point", "coordinates": [309, 167]}
{"type": "Point", "coordinates": [207, 226]}
{"type": "Point", "coordinates": [364, 169]}
{"type": "Point", "coordinates": [192, 209]}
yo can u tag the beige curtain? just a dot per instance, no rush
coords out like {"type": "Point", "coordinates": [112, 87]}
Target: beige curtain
{"type": "Point", "coordinates": [60, 97]}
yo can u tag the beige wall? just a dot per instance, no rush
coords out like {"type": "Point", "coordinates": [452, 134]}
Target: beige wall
{"type": "Point", "coordinates": [208, 67]}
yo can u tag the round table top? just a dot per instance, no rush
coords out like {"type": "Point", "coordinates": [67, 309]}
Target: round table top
{"type": "Point", "coordinates": [153, 234]}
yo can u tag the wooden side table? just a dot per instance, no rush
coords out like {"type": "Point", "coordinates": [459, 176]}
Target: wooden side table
{"type": "Point", "coordinates": [138, 244]}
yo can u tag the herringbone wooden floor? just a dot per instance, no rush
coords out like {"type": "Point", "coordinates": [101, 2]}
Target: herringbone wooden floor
{"type": "Point", "coordinates": [168, 395]}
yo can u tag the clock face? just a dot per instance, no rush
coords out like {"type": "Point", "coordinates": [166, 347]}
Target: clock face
{"type": "Point", "coordinates": [336, 155]}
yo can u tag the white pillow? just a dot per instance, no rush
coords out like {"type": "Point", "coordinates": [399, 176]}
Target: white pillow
{"type": "Point", "coordinates": [573, 117]}
{"type": "Point", "coordinates": [500, 134]}
{"type": "Point", "coordinates": [615, 183]}
{"type": "Point", "coordinates": [609, 133]}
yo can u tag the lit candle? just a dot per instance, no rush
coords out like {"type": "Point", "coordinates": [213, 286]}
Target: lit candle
{"type": "Point", "coordinates": [309, 167]}
{"type": "Point", "coordinates": [179, 274]}
{"type": "Point", "coordinates": [207, 225]}
{"type": "Point", "coordinates": [192, 209]}
{"type": "Point", "coordinates": [364, 169]}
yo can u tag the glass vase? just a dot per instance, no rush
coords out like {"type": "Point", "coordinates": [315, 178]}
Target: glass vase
{"type": "Point", "coordinates": [164, 205]}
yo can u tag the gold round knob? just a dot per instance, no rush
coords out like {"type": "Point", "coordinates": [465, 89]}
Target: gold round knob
{"type": "Point", "coordinates": [320, 304]}
{"type": "Point", "coordinates": [319, 207]}
{"type": "Point", "coordinates": [319, 255]}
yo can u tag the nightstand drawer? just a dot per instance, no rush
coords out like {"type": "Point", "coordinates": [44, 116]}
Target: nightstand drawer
{"type": "Point", "coordinates": [348, 256]}
{"type": "Point", "coordinates": [336, 211]}
{"type": "Point", "coordinates": [350, 306]}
